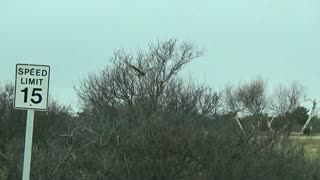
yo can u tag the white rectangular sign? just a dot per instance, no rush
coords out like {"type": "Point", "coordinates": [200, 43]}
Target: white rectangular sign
{"type": "Point", "coordinates": [32, 87]}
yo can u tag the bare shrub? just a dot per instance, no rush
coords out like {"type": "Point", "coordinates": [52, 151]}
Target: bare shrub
{"type": "Point", "coordinates": [135, 80]}
{"type": "Point", "coordinates": [285, 100]}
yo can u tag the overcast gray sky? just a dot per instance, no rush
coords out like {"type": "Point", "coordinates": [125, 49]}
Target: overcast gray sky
{"type": "Point", "coordinates": [277, 39]}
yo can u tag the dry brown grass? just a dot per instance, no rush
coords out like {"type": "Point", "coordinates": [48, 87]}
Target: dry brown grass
{"type": "Point", "coordinates": [311, 143]}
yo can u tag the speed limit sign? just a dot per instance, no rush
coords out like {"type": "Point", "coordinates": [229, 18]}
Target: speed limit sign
{"type": "Point", "coordinates": [31, 94]}
{"type": "Point", "coordinates": [32, 87]}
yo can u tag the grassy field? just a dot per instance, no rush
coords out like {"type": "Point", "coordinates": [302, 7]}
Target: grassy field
{"type": "Point", "coordinates": [311, 143]}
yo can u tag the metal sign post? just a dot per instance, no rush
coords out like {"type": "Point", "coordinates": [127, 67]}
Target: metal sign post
{"type": "Point", "coordinates": [28, 145]}
{"type": "Point", "coordinates": [31, 93]}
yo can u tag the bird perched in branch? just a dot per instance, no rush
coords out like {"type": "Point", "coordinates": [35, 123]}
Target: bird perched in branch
{"type": "Point", "coordinates": [139, 71]}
